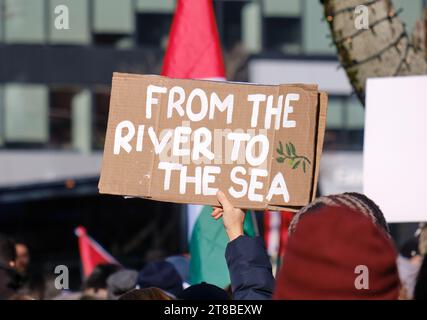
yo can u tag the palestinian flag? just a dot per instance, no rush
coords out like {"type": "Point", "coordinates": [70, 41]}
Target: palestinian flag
{"type": "Point", "coordinates": [91, 252]}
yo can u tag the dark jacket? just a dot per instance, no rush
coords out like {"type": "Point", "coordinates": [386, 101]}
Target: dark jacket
{"type": "Point", "coordinates": [9, 282]}
{"type": "Point", "coordinates": [250, 269]}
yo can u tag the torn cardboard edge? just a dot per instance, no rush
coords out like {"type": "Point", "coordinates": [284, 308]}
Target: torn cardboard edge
{"type": "Point", "coordinates": [320, 137]}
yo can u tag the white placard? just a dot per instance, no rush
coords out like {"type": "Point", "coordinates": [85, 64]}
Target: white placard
{"type": "Point", "coordinates": [395, 148]}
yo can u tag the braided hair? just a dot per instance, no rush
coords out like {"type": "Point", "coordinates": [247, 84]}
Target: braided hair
{"type": "Point", "coordinates": [353, 200]}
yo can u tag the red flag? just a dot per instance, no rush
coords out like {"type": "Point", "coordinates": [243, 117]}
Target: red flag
{"type": "Point", "coordinates": [194, 49]}
{"type": "Point", "coordinates": [276, 226]}
{"type": "Point", "coordinates": [91, 252]}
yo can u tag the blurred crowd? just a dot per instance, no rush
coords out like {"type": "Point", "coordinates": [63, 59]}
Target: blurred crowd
{"type": "Point", "coordinates": [339, 247]}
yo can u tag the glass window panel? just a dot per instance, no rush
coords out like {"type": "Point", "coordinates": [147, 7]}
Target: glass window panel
{"type": "Point", "coordinates": [25, 21]}
{"type": "Point", "coordinates": [26, 113]}
{"type": "Point", "coordinates": [60, 117]}
{"type": "Point", "coordinates": [252, 27]}
{"type": "Point", "coordinates": [283, 34]}
{"type": "Point", "coordinates": [154, 29]}
{"type": "Point", "coordinates": [158, 6]}
{"type": "Point", "coordinates": [112, 16]}
{"type": "Point", "coordinates": [412, 11]}
{"type": "Point", "coordinates": [231, 29]}
{"type": "Point", "coordinates": [1, 115]}
{"type": "Point", "coordinates": [282, 8]}
{"type": "Point", "coordinates": [314, 30]}
{"type": "Point", "coordinates": [82, 121]}
{"type": "Point", "coordinates": [335, 119]}
{"type": "Point", "coordinates": [79, 27]}
{"type": "Point", "coordinates": [101, 105]}
{"type": "Point", "coordinates": [2, 20]}
{"type": "Point", "coordinates": [355, 114]}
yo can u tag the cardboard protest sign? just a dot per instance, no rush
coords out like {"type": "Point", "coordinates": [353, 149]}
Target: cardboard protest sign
{"type": "Point", "coordinates": [181, 140]}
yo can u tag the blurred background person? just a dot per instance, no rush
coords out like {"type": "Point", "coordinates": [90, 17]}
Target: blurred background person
{"type": "Point", "coordinates": [121, 282]}
{"type": "Point", "coordinates": [182, 265]}
{"type": "Point", "coordinates": [162, 275]}
{"type": "Point", "coordinates": [409, 262]}
{"type": "Point", "coordinates": [95, 286]}
{"type": "Point", "coordinates": [31, 284]}
{"type": "Point", "coordinates": [146, 294]}
{"type": "Point", "coordinates": [21, 297]}
{"type": "Point", "coordinates": [23, 258]}
{"type": "Point", "coordinates": [9, 277]}
{"type": "Point", "coordinates": [203, 291]}
{"type": "Point", "coordinates": [420, 291]}
{"type": "Point", "coordinates": [337, 253]}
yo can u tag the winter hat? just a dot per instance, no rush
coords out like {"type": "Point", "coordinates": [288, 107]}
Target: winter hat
{"type": "Point", "coordinates": [182, 265]}
{"type": "Point", "coordinates": [162, 275]}
{"type": "Point", "coordinates": [203, 291]}
{"type": "Point", "coordinates": [121, 282]}
{"type": "Point", "coordinates": [338, 253]}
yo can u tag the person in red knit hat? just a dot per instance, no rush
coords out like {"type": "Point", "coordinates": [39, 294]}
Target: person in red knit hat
{"type": "Point", "coordinates": [337, 253]}
{"type": "Point", "coordinates": [338, 248]}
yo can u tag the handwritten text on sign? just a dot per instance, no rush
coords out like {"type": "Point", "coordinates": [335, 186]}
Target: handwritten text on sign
{"type": "Point", "coordinates": [192, 138]}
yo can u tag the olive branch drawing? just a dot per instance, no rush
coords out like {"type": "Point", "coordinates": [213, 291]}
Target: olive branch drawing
{"type": "Point", "coordinates": [294, 160]}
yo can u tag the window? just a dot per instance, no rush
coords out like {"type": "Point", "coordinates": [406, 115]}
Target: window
{"type": "Point", "coordinates": [60, 117]}
{"type": "Point", "coordinates": [79, 31]}
{"type": "Point", "coordinates": [229, 21]}
{"type": "Point", "coordinates": [100, 118]}
{"type": "Point", "coordinates": [283, 34]}
{"type": "Point", "coordinates": [345, 123]}
{"type": "Point", "coordinates": [153, 29]}
{"type": "Point", "coordinates": [25, 114]}
{"type": "Point", "coordinates": [25, 21]}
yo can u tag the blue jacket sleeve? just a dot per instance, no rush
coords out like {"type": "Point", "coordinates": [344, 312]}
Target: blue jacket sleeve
{"type": "Point", "coordinates": [250, 269]}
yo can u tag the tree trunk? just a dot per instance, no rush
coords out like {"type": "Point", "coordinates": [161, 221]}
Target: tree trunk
{"type": "Point", "coordinates": [384, 50]}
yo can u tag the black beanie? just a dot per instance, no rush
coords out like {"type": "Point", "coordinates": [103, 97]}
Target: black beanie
{"type": "Point", "coordinates": [203, 291]}
{"type": "Point", "coordinates": [162, 275]}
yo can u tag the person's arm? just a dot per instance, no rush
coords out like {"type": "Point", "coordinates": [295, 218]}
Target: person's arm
{"type": "Point", "coordinates": [250, 269]}
{"type": "Point", "coordinates": [247, 259]}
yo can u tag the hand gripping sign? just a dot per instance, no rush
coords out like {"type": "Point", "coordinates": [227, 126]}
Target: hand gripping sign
{"type": "Point", "coordinates": [181, 140]}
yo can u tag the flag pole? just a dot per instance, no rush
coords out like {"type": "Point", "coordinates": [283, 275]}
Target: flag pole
{"type": "Point", "coordinates": [183, 238]}
{"type": "Point", "coordinates": [254, 222]}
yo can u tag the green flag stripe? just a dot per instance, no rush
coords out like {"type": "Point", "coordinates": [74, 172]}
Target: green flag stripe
{"type": "Point", "coordinates": [207, 249]}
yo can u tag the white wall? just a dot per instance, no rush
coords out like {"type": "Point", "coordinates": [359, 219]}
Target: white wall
{"type": "Point", "coordinates": [31, 167]}
{"type": "Point", "coordinates": [324, 73]}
